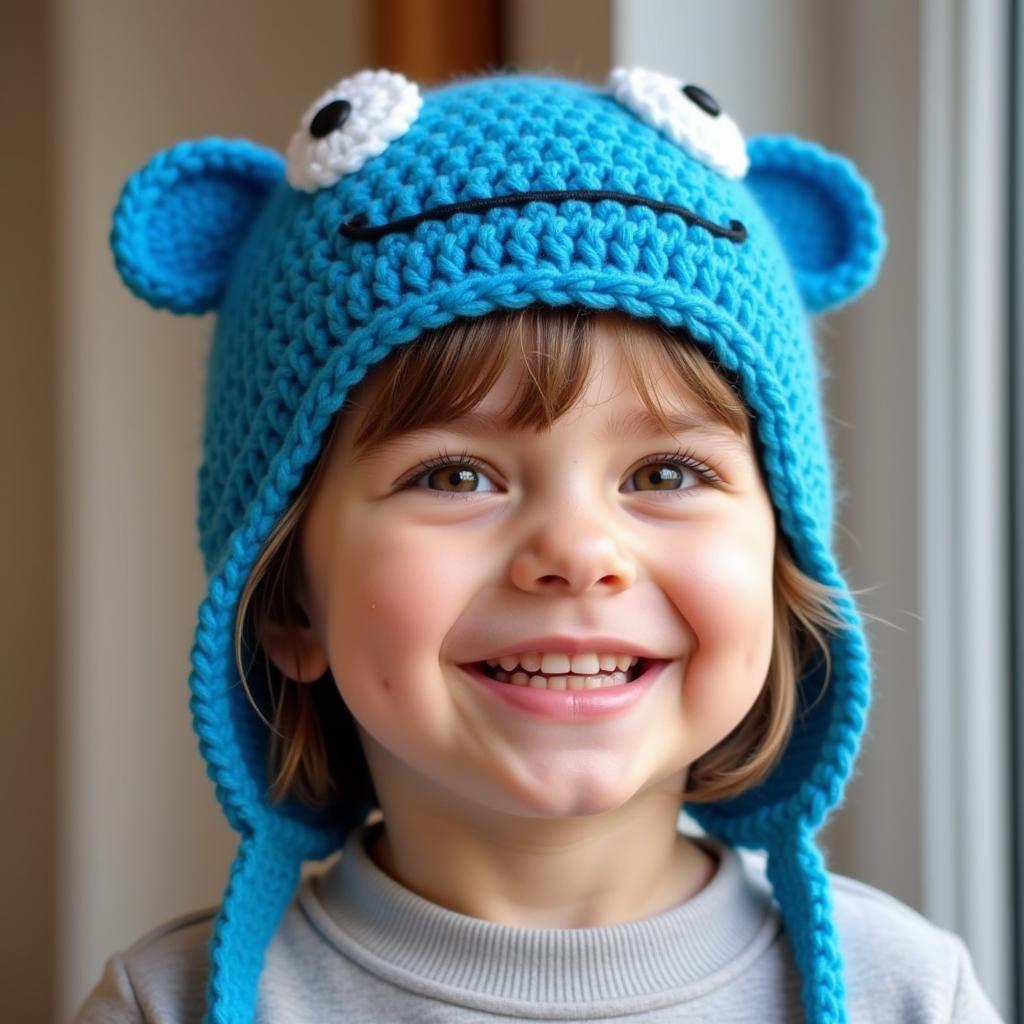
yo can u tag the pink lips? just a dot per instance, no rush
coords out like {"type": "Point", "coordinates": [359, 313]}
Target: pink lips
{"type": "Point", "coordinates": [571, 645]}
{"type": "Point", "coordinates": [572, 705]}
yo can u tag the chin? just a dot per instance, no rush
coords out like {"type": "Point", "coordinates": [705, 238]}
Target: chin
{"type": "Point", "coordinates": [572, 797]}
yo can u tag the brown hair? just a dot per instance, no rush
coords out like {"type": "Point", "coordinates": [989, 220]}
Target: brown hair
{"type": "Point", "coordinates": [443, 375]}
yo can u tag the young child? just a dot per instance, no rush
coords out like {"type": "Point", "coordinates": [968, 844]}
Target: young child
{"type": "Point", "coordinates": [516, 507]}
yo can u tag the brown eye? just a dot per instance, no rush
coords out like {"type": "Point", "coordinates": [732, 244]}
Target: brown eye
{"type": "Point", "coordinates": [658, 476]}
{"type": "Point", "coordinates": [450, 475]}
{"type": "Point", "coordinates": [453, 479]}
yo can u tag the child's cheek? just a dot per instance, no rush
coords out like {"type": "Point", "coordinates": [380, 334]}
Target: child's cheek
{"type": "Point", "coordinates": [396, 595]}
{"type": "Point", "coordinates": [721, 585]}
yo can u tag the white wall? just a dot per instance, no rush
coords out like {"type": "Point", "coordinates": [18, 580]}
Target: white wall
{"type": "Point", "coordinates": [767, 63]}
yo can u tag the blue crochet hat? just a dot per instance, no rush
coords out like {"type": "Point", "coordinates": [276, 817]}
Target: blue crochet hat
{"type": "Point", "coordinates": [398, 212]}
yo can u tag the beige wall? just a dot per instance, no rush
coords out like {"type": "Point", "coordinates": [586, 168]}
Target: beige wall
{"type": "Point", "coordinates": [28, 520]}
{"type": "Point", "coordinates": [572, 37]}
{"type": "Point", "coordinates": [143, 839]}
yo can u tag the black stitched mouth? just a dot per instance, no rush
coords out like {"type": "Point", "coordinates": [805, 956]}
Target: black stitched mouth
{"type": "Point", "coordinates": [359, 230]}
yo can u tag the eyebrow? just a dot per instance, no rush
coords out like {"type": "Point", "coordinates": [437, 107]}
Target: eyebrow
{"type": "Point", "coordinates": [639, 423]}
{"type": "Point", "coordinates": [642, 424]}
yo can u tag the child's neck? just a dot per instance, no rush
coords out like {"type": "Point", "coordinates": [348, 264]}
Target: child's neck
{"type": "Point", "coordinates": [580, 872]}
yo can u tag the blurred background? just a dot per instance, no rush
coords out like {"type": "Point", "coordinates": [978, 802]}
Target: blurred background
{"type": "Point", "coordinates": [111, 826]}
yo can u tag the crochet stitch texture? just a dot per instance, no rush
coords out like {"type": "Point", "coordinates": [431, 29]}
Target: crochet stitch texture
{"type": "Point", "coordinates": [305, 310]}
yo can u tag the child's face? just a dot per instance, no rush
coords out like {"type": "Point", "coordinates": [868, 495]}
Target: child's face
{"type": "Point", "coordinates": [414, 576]}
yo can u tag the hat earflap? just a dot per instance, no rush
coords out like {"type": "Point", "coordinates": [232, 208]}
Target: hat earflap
{"type": "Point", "coordinates": [181, 218]}
{"type": "Point", "coordinates": [824, 214]}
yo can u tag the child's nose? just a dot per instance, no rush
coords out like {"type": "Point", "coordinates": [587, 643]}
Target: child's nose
{"type": "Point", "coordinates": [571, 555]}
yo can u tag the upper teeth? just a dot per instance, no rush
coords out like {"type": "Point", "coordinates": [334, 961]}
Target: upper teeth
{"type": "Point", "coordinates": [555, 663]}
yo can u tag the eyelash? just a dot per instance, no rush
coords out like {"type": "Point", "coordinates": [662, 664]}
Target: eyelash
{"type": "Point", "coordinates": [682, 457]}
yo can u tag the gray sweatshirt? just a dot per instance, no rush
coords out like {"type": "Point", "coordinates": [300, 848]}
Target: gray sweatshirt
{"type": "Point", "coordinates": [355, 946]}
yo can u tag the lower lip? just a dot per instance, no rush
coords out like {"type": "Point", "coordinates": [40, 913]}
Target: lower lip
{"type": "Point", "coordinates": [572, 705]}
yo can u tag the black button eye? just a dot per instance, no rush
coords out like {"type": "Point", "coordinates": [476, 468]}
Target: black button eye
{"type": "Point", "coordinates": [703, 99]}
{"type": "Point", "coordinates": [330, 118]}
{"type": "Point", "coordinates": [348, 124]}
{"type": "Point", "coordinates": [687, 115]}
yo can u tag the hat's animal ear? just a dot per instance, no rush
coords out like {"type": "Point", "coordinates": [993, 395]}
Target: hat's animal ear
{"type": "Point", "coordinates": [824, 214]}
{"type": "Point", "coordinates": [181, 218]}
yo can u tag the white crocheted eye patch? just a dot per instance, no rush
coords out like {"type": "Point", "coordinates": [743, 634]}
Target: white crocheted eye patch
{"type": "Point", "coordinates": [687, 114]}
{"type": "Point", "coordinates": [349, 124]}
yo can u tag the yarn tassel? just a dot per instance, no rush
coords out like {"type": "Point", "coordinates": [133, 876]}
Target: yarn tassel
{"type": "Point", "coordinates": [797, 872]}
{"type": "Point", "coordinates": [263, 879]}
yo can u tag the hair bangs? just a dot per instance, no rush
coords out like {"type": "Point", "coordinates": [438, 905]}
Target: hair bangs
{"type": "Point", "coordinates": [447, 373]}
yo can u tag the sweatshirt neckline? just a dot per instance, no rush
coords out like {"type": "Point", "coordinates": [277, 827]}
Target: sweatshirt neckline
{"type": "Point", "coordinates": [686, 950]}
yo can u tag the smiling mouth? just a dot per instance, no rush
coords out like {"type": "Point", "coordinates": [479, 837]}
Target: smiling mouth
{"type": "Point", "coordinates": [565, 680]}
{"type": "Point", "coordinates": [358, 229]}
